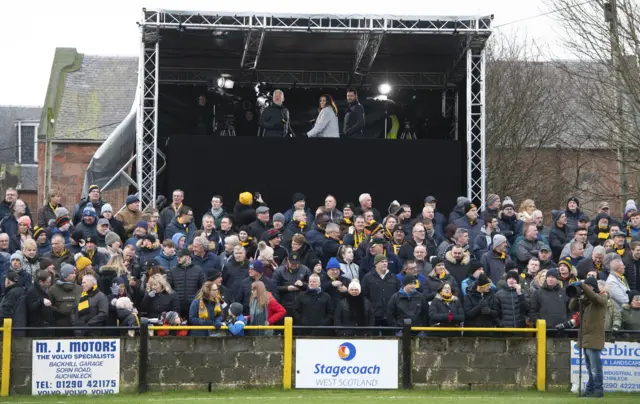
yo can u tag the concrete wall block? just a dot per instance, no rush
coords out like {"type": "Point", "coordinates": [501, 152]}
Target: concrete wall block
{"type": "Point", "coordinates": [191, 359]}
{"type": "Point", "coordinates": [207, 375]}
{"type": "Point", "coordinates": [522, 346]}
{"type": "Point", "coordinates": [463, 345]}
{"type": "Point", "coordinates": [208, 344]}
{"type": "Point", "coordinates": [472, 376]}
{"type": "Point", "coordinates": [129, 376]}
{"type": "Point", "coordinates": [501, 375]}
{"type": "Point", "coordinates": [221, 360]}
{"type": "Point", "coordinates": [269, 344]}
{"type": "Point", "coordinates": [431, 344]}
{"type": "Point", "coordinates": [153, 375]}
{"type": "Point", "coordinates": [442, 376]}
{"type": "Point", "coordinates": [21, 360]}
{"type": "Point", "coordinates": [162, 359]}
{"type": "Point", "coordinates": [267, 376]}
{"type": "Point", "coordinates": [176, 375]}
{"type": "Point", "coordinates": [237, 344]}
{"type": "Point", "coordinates": [253, 359]}
{"type": "Point", "coordinates": [21, 345]}
{"type": "Point", "coordinates": [453, 360]}
{"type": "Point", "coordinates": [492, 345]}
{"type": "Point", "coordinates": [558, 360]}
{"type": "Point", "coordinates": [237, 376]}
{"type": "Point", "coordinates": [426, 359]}
{"type": "Point", "coordinates": [512, 361]}
{"type": "Point", "coordinates": [276, 360]}
{"type": "Point", "coordinates": [170, 344]}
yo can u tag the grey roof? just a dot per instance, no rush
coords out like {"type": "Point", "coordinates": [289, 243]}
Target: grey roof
{"type": "Point", "coordinates": [96, 97]}
{"type": "Point", "coordinates": [9, 115]}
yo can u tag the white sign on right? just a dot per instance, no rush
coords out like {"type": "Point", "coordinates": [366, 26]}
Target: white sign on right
{"type": "Point", "coordinates": [620, 367]}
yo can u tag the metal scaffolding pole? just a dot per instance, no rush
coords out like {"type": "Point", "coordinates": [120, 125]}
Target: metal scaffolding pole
{"type": "Point", "coordinates": [253, 41]}
{"type": "Point", "coordinates": [450, 110]}
{"type": "Point", "coordinates": [147, 129]}
{"type": "Point", "coordinates": [366, 51]}
{"type": "Point", "coordinates": [476, 169]}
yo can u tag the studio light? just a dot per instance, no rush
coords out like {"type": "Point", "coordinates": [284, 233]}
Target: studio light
{"type": "Point", "coordinates": [225, 83]}
{"type": "Point", "coordinates": [384, 88]}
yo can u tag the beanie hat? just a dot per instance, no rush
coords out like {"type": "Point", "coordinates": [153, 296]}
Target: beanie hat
{"type": "Point", "coordinates": [45, 263]}
{"type": "Point", "coordinates": [462, 200]}
{"type": "Point", "coordinates": [82, 263]}
{"type": "Point", "coordinates": [278, 217]}
{"type": "Point", "coordinates": [62, 220]}
{"type": "Point", "coordinates": [593, 282]}
{"type": "Point", "coordinates": [348, 205]}
{"type": "Point", "coordinates": [468, 206]}
{"type": "Point", "coordinates": [92, 187]}
{"type": "Point", "coordinates": [374, 227]}
{"type": "Point", "coordinates": [106, 208]}
{"type": "Point", "coordinates": [149, 237]}
{"type": "Point", "coordinates": [631, 205]}
{"type": "Point", "coordinates": [573, 199]}
{"type": "Point", "coordinates": [246, 198]}
{"type": "Point", "coordinates": [378, 259]}
{"type": "Point", "coordinates": [235, 309]}
{"type": "Point", "coordinates": [77, 234]}
{"type": "Point", "coordinates": [61, 211]}
{"type": "Point", "coordinates": [65, 270]}
{"type": "Point", "coordinates": [507, 202]}
{"type": "Point", "coordinates": [408, 280]}
{"type": "Point", "coordinates": [132, 199]}
{"type": "Point", "coordinates": [142, 224]}
{"type": "Point", "coordinates": [297, 197]}
{"type": "Point", "coordinates": [170, 317]}
{"type": "Point", "coordinates": [119, 281]}
{"type": "Point", "coordinates": [257, 266]}
{"type": "Point", "coordinates": [111, 238]}
{"type": "Point", "coordinates": [25, 220]}
{"type": "Point", "coordinates": [566, 262]}
{"type": "Point", "coordinates": [13, 276]}
{"type": "Point", "coordinates": [16, 255]}
{"type": "Point", "coordinates": [553, 272]}
{"type": "Point", "coordinates": [37, 231]}
{"type": "Point", "coordinates": [333, 263]}
{"type": "Point", "coordinates": [512, 275]}
{"type": "Point", "coordinates": [89, 210]}
{"type": "Point", "coordinates": [474, 266]}
{"type": "Point", "coordinates": [214, 274]}
{"type": "Point", "coordinates": [355, 284]}
{"type": "Point", "coordinates": [483, 280]}
{"type": "Point", "coordinates": [498, 239]}
{"type": "Point", "coordinates": [492, 198]}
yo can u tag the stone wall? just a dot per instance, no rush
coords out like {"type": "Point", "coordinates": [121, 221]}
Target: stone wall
{"type": "Point", "coordinates": [194, 363]}
{"type": "Point", "coordinates": [202, 362]}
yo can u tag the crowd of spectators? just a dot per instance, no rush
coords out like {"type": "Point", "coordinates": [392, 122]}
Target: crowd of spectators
{"type": "Point", "coordinates": [351, 266]}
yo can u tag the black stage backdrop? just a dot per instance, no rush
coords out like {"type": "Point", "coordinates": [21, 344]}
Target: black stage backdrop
{"type": "Point", "coordinates": [404, 170]}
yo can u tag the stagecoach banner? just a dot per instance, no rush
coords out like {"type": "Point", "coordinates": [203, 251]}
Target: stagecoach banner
{"type": "Point", "coordinates": [75, 367]}
{"type": "Point", "coordinates": [350, 364]}
{"type": "Point", "coordinates": [620, 367]}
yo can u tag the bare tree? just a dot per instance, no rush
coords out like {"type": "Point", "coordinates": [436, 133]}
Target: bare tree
{"type": "Point", "coordinates": [525, 120]}
{"type": "Point", "coordinates": [604, 36]}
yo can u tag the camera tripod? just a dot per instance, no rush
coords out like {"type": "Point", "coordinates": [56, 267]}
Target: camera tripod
{"type": "Point", "coordinates": [228, 130]}
{"type": "Point", "coordinates": [407, 133]}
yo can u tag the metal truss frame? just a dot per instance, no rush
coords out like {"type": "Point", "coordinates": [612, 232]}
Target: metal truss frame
{"type": "Point", "coordinates": [366, 52]}
{"type": "Point", "coordinates": [147, 128]}
{"type": "Point", "coordinates": [304, 78]}
{"type": "Point", "coordinates": [253, 41]}
{"type": "Point", "coordinates": [450, 105]}
{"type": "Point", "coordinates": [320, 23]}
{"type": "Point", "coordinates": [372, 28]}
{"type": "Point", "coordinates": [476, 168]}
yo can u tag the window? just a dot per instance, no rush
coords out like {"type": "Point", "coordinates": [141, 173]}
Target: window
{"type": "Point", "coordinates": [27, 152]}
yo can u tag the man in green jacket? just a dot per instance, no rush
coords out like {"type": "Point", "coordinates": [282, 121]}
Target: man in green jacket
{"type": "Point", "coordinates": [592, 329]}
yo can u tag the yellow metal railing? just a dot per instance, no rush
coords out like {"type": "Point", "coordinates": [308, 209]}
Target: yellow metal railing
{"type": "Point", "coordinates": [6, 357]}
{"type": "Point", "coordinates": [541, 344]}
{"type": "Point", "coordinates": [540, 331]}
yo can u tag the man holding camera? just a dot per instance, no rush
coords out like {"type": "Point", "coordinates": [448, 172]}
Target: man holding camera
{"type": "Point", "coordinates": [592, 338]}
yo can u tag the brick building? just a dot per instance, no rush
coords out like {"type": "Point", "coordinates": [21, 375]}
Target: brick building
{"type": "Point", "coordinates": [87, 97]}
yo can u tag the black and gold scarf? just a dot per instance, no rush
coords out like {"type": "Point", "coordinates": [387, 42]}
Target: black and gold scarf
{"type": "Point", "coordinates": [83, 303]}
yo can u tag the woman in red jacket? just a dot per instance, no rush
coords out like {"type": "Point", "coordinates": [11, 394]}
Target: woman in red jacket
{"type": "Point", "coordinates": [264, 309]}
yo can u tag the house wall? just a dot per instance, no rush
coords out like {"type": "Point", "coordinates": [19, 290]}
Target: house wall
{"type": "Point", "coordinates": [68, 164]}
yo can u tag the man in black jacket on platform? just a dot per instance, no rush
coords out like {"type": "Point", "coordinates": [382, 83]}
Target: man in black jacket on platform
{"type": "Point", "coordinates": [354, 116]}
{"type": "Point", "coordinates": [274, 120]}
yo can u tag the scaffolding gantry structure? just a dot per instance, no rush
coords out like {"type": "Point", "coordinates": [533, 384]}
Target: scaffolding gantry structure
{"type": "Point", "coordinates": [468, 66]}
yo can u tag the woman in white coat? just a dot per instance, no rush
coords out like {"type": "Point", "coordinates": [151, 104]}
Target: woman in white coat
{"type": "Point", "coordinates": [327, 122]}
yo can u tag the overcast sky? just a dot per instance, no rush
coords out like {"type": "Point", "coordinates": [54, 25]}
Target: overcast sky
{"type": "Point", "coordinates": [32, 29]}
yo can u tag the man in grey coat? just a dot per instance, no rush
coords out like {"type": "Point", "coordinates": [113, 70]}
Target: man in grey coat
{"type": "Point", "coordinates": [529, 246]}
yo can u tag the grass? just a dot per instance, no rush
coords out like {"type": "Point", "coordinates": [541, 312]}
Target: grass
{"type": "Point", "coordinates": [328, 396]}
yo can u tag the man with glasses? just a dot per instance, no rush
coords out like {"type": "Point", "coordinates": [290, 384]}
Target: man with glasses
{"type": "Point", "coordinates": [182, 223]}
{"type": "Point", "coordinates": [580, 236]}
{"type": "Point", "coordinates": [10, 196]}
{"type": "Point", "coordinates": [4, 245]}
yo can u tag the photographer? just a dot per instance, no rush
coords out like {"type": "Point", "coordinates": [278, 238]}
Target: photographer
{"type": "Point", "coordinates": [274, 119]}
{"type": "Point", "coordinates": [592, 338]}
